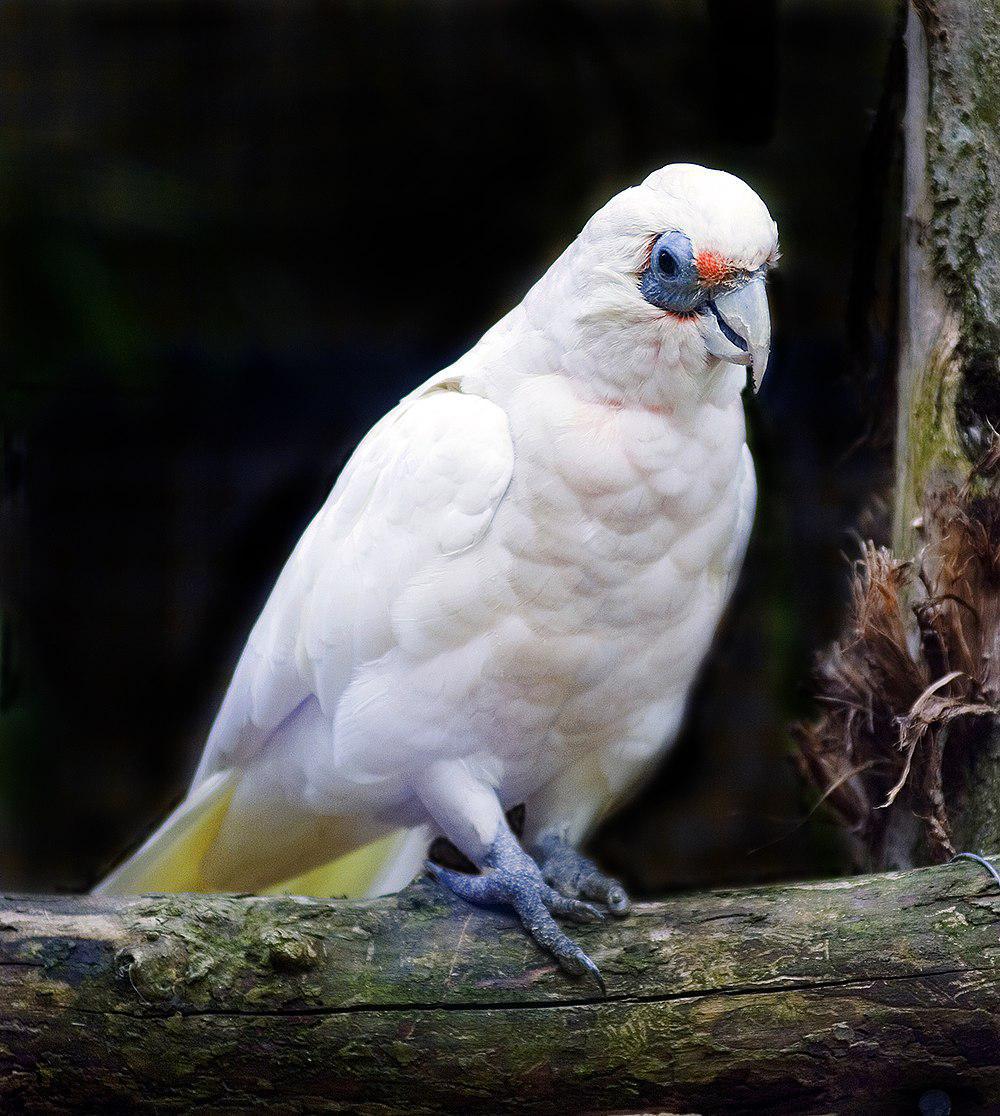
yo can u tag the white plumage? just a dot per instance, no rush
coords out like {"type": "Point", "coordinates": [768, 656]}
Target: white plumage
{"type": "Point", "coordinates": [509, 590]}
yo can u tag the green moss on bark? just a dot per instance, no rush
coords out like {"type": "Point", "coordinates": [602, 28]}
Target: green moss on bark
{"type": "Point", "coordinates": [963, 165]}
{"type": "Point", "coordinates": [839, 996]}
{"type": "Point", "coordinates": [949, 377]}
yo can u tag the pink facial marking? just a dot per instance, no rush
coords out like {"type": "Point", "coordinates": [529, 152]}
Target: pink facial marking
{"type": "Point", "coordinates": [653, 408]}
{"type": "Point", "coordinates": [712, 268]}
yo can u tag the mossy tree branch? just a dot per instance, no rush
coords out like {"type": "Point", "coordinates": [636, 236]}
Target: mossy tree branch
{"type": "Point", "coordinates": [854, 995]}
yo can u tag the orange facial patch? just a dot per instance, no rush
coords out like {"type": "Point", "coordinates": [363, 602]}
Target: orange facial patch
{"type": "Point", "coordinates": [712, 268]}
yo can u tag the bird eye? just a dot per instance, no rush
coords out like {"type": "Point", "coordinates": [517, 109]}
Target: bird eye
{"type": "Point", "coordinates": [670, 280]}
{"type": "Point", "coordinates": [667, 263]}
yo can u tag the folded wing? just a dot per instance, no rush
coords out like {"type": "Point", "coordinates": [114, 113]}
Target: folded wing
{"type": "Point", "coordinates": [424, 484]}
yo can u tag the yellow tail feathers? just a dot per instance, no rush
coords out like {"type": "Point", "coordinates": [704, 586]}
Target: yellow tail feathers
{"type": "Point", "coordinates": [172, 859]}
{"type": "Point", "coordinates": [351, 876]}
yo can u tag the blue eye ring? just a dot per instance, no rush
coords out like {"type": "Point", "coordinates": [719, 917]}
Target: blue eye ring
{"type": "Point", "coordinates": [670, 281]}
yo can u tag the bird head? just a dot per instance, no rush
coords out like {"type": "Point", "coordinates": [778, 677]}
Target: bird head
{"type": "Point", "coordinates": [666, 284]}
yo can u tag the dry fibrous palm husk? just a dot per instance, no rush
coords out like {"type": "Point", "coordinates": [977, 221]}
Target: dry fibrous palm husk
{"type": "Point", "coordinates": [908, 690]}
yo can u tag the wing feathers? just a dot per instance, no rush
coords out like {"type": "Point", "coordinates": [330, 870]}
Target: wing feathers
{"type": "Point", "coordinates": [423, 486]}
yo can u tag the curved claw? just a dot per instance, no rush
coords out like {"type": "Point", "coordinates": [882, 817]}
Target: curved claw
{"type": "Point", "coordinates": [514, 881]}
{"type": "Point", "coordinates": [595, 973]}
{"type": "Point", "coordinates": [568, 954]}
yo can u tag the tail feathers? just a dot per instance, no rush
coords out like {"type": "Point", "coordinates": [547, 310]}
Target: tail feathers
{"type": "Point", "coordinates": [211, 843]}
{"type": "Point", "coordinates": [170, 860]}
{"type": "Point", "coordinates": [377, 868]}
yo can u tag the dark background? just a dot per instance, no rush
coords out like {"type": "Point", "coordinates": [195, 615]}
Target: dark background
{"type": "Point", "coordinates": [206, 210]}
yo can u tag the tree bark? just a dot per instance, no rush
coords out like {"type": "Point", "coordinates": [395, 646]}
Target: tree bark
{"type": "Point", "coordinates": [949, 381]}
{"type": "Point", "coordinates": [854, 995]}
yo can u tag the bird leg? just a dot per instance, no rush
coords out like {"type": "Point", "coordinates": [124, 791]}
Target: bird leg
{"type": "Point", "coordinates": [573, 874]}
{"type": "Point", "coordinates": [510, 878]}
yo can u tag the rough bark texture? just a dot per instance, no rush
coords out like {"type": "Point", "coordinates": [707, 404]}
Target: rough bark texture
{"type": "Point", "coordinates": [854, 995]}
{"type": "Point", "coordinates": [949, 382]}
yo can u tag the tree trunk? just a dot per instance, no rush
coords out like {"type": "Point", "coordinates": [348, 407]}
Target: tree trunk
{"type": "Point", "coordinates": [854, 995]}
{"type": "Point", "coordinates": [949, 386]}
{"type": "Point", "coordinates": [949, 382]}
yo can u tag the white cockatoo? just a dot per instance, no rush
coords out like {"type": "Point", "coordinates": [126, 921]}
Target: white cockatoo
{"type": "Point", "coordinates": [509, 591]}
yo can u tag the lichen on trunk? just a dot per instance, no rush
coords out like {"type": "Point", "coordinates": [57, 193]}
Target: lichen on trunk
{"type": "Point", "coordinates": [949, 385]}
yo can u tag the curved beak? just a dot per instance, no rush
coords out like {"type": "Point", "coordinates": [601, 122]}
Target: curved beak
{"type": "Point", "coordinates": [744, 312]}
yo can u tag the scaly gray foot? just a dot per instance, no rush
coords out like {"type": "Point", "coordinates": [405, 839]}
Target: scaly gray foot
{"type": "Point", "coordinates": [571, 873]}
{"type": "Point", "coordinates": [510, 878]}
